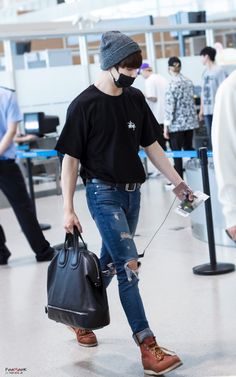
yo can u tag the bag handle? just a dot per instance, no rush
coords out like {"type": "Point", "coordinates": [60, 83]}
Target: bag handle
{"type": "Point", "coordinates": [73, 238]}
{"type": "Point", "coordinates": [78, 234]}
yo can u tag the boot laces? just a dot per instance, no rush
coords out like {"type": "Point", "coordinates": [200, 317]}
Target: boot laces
{"type": "Point", "coordinates": [84, 332]}
{"type": "Point", "coordinates": [156, 351]}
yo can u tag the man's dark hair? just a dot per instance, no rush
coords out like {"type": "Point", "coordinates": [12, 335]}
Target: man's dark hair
{"type": "Point", "coordinates": [210, 51]}
{"type": "Point", "coordinates": [132, 61]}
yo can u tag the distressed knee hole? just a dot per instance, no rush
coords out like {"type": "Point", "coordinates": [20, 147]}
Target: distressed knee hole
{"type": "Point", "coordinates": [125, 235]}
{"type": "Point", "coordinates": [133, 264]}
{"type": "Point", "coordinates": [132, 269]}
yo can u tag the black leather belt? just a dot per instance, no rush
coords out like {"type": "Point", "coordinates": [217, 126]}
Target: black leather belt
{"type": "Point", "coordinates": [130, 187]}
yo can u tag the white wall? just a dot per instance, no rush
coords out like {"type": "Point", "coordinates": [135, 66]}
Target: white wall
{"type": "Point", "coordinates": [50, 89]}
{"type": "Point", "coordinates": [7, 79]}
{"type": "Point", "coordinates": [191, 68]}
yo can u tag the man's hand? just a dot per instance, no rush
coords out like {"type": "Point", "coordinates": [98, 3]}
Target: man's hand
{"type": "Point", "coordinates": [232, 232]}
{"type": "Point", "coordinates": [25, 138]}
{"type": "Point", "coordinates": [71, 220]}
{"type": "Point", "coordinates": [200, 115]}
{"type": "Point", "coordinates": [183, 191]}
{"type": "Point", "coordinates": [166, 133]}
{"type": "Point", "coordinates": [30, 137]}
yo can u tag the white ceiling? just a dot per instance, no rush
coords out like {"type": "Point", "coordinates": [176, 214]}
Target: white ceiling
{"type": "Point", "coordinates": [49, 10]}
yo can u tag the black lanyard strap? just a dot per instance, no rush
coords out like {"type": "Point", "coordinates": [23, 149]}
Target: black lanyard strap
{"type": "Point", "coordinates": [159, 227]}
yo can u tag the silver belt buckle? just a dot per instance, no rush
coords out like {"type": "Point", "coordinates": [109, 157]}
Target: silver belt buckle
{"type": "Point", "coordinates": [134, 186]}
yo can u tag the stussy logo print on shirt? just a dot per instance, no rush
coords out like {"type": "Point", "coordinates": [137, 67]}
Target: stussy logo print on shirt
{"type": "Point", "coordinates": [131, 125]}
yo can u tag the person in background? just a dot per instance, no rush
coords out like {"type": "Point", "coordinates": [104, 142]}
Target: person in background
{"type": "Point", "coordinates": [212, 77]}
{"type": "Point", "coordinates": [180, 112]}
{"type": "Point", "coordinates": [224, 150]}
{"type": "Point", "coordinates": [155, 87]}
{"type": "Point", "coordinates": [105, 126]}
{"type": "Point", "coordinates": [12, 182]}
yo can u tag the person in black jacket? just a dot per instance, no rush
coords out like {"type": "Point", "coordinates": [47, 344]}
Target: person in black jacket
{"type": "Point", "coordinates": [12, 183]}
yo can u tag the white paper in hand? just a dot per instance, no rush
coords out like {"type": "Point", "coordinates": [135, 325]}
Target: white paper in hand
{"type": "Point", "coordinates": [186, 206]}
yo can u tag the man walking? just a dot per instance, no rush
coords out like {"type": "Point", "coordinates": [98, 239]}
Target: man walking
{"type": "Point", "coordinates": [105, 126]}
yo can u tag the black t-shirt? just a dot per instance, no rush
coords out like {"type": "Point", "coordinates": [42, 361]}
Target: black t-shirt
{"type": "Point", "coordinates": [104, 132]}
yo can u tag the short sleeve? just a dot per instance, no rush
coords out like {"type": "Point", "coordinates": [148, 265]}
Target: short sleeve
{"type": "Point", "coordinates": [73, 137]}
{"type": "Point", "coordinates": [221, 76]}
{"type": "Point", "coordinates": [13, 113]}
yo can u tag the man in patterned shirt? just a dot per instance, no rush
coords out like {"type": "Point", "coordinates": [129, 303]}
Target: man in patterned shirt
{"type": "Point", "coordinates": [180, 113]}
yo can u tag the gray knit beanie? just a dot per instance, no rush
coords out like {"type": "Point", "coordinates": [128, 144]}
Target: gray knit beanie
{"type": "Point", "coordinates": [115, 47]}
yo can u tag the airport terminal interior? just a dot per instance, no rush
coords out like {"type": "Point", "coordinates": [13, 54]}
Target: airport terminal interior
{"type": "Point", "coordinates": [49, 53]}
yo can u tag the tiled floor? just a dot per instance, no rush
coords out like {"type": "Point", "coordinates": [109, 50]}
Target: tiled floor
{"type": "Point", "coordinates": [194, 315]}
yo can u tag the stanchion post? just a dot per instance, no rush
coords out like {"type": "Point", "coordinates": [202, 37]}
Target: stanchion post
{"type": "Point", "coordinates": [208, 209]}
{"type": "Point", "coordinates": [212, 268]}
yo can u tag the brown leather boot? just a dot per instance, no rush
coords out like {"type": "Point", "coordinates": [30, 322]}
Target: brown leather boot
{"type": "Point", "coordinates": [156, 360]}
{"type": "Point", "coordinates": [85, 338]}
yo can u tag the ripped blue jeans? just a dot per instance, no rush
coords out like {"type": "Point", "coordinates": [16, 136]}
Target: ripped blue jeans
{"type": "Point", "coordinates": [116, 212]}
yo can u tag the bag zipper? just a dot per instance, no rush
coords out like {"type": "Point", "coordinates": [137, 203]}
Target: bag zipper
{"type": "Point", "coordinates": [98, 275]}
{"type": "Point", "coordinates": [66, 310]}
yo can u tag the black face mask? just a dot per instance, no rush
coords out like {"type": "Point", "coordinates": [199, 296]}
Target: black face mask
{"type": "Point", "coordinates": [124, 81]}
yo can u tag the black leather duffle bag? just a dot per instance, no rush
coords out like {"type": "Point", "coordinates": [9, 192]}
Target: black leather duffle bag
{"type": "Point", "coordinates": [76, 293]}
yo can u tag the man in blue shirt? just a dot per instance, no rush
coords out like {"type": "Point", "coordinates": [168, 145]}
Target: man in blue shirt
{"type": "Point", "coordinates": [12, 183]}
